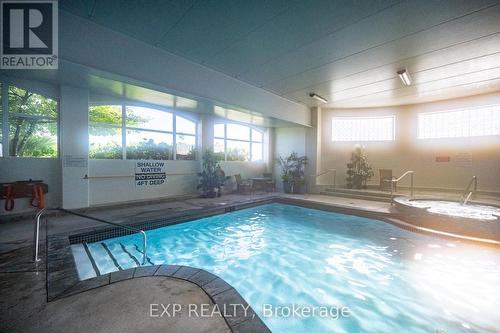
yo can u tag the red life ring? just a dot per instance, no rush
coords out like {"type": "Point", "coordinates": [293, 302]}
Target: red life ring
{"type": "Point", "coordinates": [37, 198]}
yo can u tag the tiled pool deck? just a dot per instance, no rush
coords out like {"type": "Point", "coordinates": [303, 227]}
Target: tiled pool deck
{"type": "Point", "coordinates": [26, 287]}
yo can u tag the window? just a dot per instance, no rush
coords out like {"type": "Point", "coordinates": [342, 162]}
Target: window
{"type": "Point", "coordinates": [105, 131]}
{"type": "Point", "coordinates": [32, 124]}
{"type": "Point", "coordinates": [149, 134]}
{"type": "Point", "coordinates": [363, 128]}
{"type": "Point", "coordinates": [234, 142]}
{"type": "Point", "coordinates": [460, 123]}
{"type": "Point", "coordinates": [134, 132]}
{"type": "Point", "coordinates": [185, 138]}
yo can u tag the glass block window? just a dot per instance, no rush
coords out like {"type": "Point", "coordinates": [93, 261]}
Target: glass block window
{"type": "Point", "coordinates": [360, 129]}
{"type": "Point", "coordinates": [479, 121]}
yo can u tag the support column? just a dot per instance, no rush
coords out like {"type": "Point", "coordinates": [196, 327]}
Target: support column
{"type": "Point", "coordinates": [74, 145]}
{"type": "Point", "coordinates": [313, 150]}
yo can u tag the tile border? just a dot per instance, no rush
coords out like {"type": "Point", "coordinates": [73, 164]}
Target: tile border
{"type": "Point", "coordinates": [62, 276]}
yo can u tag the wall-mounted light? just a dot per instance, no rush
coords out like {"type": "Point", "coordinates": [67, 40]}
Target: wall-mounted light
{"type": "Point", "coordinates": [318, 97]}
{"type": "Point", "coordinates": [404, 76]}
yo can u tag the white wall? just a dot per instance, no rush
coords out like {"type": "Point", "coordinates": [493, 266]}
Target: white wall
{"type": "Point", "coordinates": [46, 169]}
{"type": "Point", "coordinates": [409, 153]}
{"type": "Point", "coordinates": [74, 146]}
{"type": "Point", "coordinates": [112, 181]}
{"type": "Point", "coordinates": [286, 141]}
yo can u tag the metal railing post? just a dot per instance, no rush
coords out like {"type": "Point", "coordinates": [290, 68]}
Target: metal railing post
{"type": "Point", "coordinates": [392, 190]}
{"type": "Point", "coordinates": [36, 236]}
{"type": "Point", "coordinates": [411, 190]}
{"type": "Point", "coordinates": [144, 244]}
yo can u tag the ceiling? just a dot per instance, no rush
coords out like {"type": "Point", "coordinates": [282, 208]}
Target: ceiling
{"type": "Point", "coordinates": [346, 51]}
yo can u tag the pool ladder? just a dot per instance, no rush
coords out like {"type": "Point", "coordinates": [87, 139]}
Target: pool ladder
{"type": "Point", "coordinates": [39, 214]}
{"type": "Point", "coordinates": [395, 180]}
{"type": "Point", "coordinates": [468, 193]}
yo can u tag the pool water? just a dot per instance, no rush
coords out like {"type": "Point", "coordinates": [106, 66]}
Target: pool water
{"type": "Point", "coordinates": [391, 280]}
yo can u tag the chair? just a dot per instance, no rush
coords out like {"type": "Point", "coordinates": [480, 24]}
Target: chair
{"type": "Point", "coordinates": [270, 184]}
{"type": "Point", "coordinates": [242, 185]}
{"type": "Point", "coordinates": [386, 174]}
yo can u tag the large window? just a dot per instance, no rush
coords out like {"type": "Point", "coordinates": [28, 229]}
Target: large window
{"type": "Point", "coordinates": [363, 128]}
{"type": "Point", "coordinates": [134, 132]}
{"type": "Point", "coordinates": [234, 142]}
{"type": "Point", "coordinates": [29, 126]}
{"type": "Point", "coordinates": [460, 123]}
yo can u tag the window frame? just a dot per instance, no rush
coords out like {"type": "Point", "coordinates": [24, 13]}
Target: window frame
{"type": "Point", "coordinates": [392, 117]}
{"type": "Point", "coordinates": [469, 110]}
{"type": "Point", "coordinates": [41, 89]}
{"type": "Point", "coordinates": [127, 103]}
{"type": "Point", "coordinates": [251, 141]}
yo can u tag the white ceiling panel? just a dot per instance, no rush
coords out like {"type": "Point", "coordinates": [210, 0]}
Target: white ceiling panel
{"type": "Point", "coordinates": [398, 22]}
{"type": "Point", "coordinates": [351, 74]}
{"type": "Point", "coordinates": [347, 51]}
{"type": "Point", "coordinates": [212, 26]}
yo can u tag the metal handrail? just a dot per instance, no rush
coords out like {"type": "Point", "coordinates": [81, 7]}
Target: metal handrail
{"type": "Point", "coordinates": [324, 173]}
{"type": "Point", "coordinates": [39, 214]}
{"type": "Point", "coordinates": [395, 180]}
{"type": "Point", "coordinates": [467, 193]}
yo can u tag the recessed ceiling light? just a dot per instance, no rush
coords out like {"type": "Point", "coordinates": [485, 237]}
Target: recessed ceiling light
{"type": "Point", "coordinates": [404, 76]}
{"type": "Point", "coordinates": [318, 97]}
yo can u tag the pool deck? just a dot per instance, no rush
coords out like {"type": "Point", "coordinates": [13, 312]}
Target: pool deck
{"type": "Point", "coordinates": [112, 305]}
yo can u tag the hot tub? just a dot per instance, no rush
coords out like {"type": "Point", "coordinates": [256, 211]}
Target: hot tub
{"type": "Point", "coordinates": [472, 219]}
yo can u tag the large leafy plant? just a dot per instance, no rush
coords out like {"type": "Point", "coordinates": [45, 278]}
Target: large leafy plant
{"type": "Point", "coordinates": [358, 169]}
{"type": "Point", "coordinates": [292, 171]}
{"type": "Point", "coordinates": [212, 177]}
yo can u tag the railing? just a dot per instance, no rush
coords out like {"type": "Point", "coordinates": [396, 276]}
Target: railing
{"type": "Point", "coordinates": [39, 214]}
{"type": "Point", "coordinates": [468, 193]}
{"type": "Point", "coordinates": [394, 181]}
{"type": "Point", "coordinates": [334, 171]}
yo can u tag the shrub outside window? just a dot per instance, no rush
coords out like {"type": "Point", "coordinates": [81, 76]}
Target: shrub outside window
{"type": "Point", "coordinates": [32, 124]}
{"type": "Point", "coordinates": [146, 133]}
{"type": "Point", "coordinates": [235, 142]}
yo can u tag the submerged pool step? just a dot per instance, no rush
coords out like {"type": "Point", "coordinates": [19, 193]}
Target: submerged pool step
{"type": "Point", "coordinates": [110, 257]}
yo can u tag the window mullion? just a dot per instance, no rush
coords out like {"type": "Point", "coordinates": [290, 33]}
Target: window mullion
{"type": "Point", "coordinates": [251, 134]}
{"type": "Point", "coordinates": [124, 132]}
{"type": "Point", "coordinates": [225, 141]}
{"type": "Point", "coordinates": [174, 137]}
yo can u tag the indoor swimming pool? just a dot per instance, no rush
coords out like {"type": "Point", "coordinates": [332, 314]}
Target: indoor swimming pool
{"type": "Point", "coordinates": [279, 256]}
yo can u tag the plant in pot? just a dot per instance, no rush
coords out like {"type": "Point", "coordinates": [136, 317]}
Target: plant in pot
{"type": "Point", "coordinates": [358, 169]}
{"type": "Point", "coordinates": [292, 172]}
{"type": "Point", "coordinates": [298, 175]}
{"type": "Point", "coordinates": [212, 177]}
{"type": "Point", "coordinates": [286, 164]}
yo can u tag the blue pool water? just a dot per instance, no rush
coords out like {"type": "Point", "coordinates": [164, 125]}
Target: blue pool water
{"type": "Point", "coordinates": [391, 280]}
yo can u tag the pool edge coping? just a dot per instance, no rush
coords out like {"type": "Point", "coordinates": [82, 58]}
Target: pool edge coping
{"type": "Point", "coordinates": [62, 277]}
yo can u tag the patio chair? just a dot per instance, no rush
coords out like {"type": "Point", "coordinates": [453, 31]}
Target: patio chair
{"type": "Point", "coordinates": [386, 174]}
{"type": "Point", "coordinates": [243, 186]}
{"type": "Point", "coordinates": [270, 184]}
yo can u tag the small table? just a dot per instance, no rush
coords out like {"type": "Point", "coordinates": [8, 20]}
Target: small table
{"type": "Point", "coordinates": [259, 182]}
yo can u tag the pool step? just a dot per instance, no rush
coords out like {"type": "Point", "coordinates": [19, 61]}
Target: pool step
{"type": "Point", "coordinates": [358, 194]}
{"type": "Point", "coordinates": [110, 257]}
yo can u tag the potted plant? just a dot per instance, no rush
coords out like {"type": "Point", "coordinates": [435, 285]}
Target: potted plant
{"type": "Point", "coordinates": [358, 169]}
{"type": "Point", "coordinates": [292, 173]}
{"type": "Point", "coordinates": [212, 177]}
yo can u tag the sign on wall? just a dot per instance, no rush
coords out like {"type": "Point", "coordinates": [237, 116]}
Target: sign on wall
{"type": "Point", "coordinates": [150, 174]}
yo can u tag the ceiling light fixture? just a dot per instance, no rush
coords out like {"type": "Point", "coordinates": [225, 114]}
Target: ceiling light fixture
{"type": "Point", "coordinates": [318, 97]}
{"type": "Point", "coordinates": [404, 76]}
